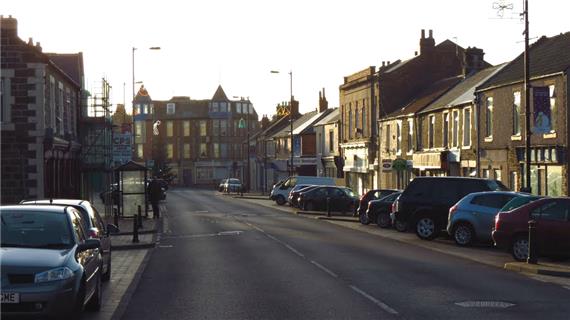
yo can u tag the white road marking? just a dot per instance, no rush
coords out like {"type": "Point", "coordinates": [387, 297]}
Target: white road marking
{"type": "Point", "coordinates": [485, 304]}
{"type": "Point", "coordinates": [379, 303]}
{"type": "Point", "coordinates": [320, 266]}
{"type": "Point", "coordinates": [294, 250]}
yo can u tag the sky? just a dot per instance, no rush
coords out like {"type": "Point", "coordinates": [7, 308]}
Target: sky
{"type": "Point", "coordinates": [236, 43]}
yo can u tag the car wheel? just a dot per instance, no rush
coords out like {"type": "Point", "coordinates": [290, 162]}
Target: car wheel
{"type": "Point", "coordinates": [107, 275]}
{"type": "Point", "coordinates": [383, 219]}
{"type": "Point", "coordinates": [400, 226]}
{"type": "Point", "coordinates": [77, 309]}
{"type": "Point", "coordinates": [280, 200]}
{"type": "Point", "coordinates": [426, 228]}
{"type": "Point", "coordinates": [519, 248]}
{"type": "Point", "coordinates": [363, 217]}
{"type": "Point", "coordinates": [463, 234]}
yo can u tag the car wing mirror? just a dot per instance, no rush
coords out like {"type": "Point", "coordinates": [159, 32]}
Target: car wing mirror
{"type": "Point", "coordinates": [111, 228]}
{"type": "Point", "coordinates": [89, 244]}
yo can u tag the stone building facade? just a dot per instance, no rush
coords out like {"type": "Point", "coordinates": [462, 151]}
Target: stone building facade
{"type": "Point", "coordinates": [502, 120]}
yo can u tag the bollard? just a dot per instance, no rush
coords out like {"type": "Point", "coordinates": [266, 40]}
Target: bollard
{"type": "Point", "coordinates": [328, 206]}
{"type": "Point", "coordinates": [135, 230]}
{"type": "Point", "coordinates": [139, 218]}
{"type": "Point", "coordinates": [532, 243]}
{"type": "Point", "coordinates": [116, 216]}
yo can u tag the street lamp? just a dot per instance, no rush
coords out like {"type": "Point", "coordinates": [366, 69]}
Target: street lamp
{"type": "Point", "coordinates": [291, 168]}
{"type": "Point", "coordinates": [133, 97]}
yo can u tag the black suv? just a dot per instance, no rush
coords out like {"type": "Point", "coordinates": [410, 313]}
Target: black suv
{"type": "Point", "coordinates": [425, 203]}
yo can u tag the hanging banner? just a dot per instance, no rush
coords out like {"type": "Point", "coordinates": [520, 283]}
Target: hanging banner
{"type": "Point", "coordinates": [542, 116]}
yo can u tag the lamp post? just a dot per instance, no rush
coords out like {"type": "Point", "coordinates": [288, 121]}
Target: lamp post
{"type": "Point", "coordinates": [291, 168]}
{"type": "Point", "coordinates": [133, 97]}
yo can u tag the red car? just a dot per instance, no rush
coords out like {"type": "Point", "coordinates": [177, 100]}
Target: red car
{"type": "Point", "coordinates": [552, 216]}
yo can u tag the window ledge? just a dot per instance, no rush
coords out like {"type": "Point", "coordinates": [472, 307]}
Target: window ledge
{"type": "Point", "coordinates": [466, 147]}
{"type": "Point", "coordinates": [517, 137]}
{"type": "Point", "coordinates": [550, 135]}
{"type": "Point", "coordinates": [489, 139]}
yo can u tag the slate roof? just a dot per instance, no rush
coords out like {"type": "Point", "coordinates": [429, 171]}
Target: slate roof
{"type": "Point", "coordinates": [70, 63]}
{"type": "Point", "coordinates": [332, 117]}
{"type": "Point", "coordinates": [296, 123]}
{"type": "Point", "coordinates": [547, 56]}
{"type": "Point", "coordinates": [444, 45]}
{"type": "Point", "coordinates": [307, 127]}
{"type": "Point", "coordinates": [220, 95]}
{"type": "Point", "coordinates": [426, 97]}
{"type": "Point", "coordinates": [464, 91]}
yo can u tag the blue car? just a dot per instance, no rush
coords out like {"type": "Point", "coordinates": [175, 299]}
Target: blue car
{"type": "Point", "coordinates": [50, 268]}
{"type": "Point", "coordinates": [472, 218]}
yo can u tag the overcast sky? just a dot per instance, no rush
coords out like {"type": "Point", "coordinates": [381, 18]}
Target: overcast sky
{"type": "Point", "coordinates": [236, 43]}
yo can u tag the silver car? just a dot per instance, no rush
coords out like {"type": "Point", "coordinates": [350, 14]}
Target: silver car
{"type": "Point", "coordinates": [94, 226]}
{"type": "Point", "coordinates": [472, 218]}
{"type": "Point", "coordinates": [49, 265]}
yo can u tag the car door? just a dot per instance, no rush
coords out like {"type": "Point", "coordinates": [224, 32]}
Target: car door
{"type": "Point", "coordinates": [86, 257]}
{"type": "Point", "coordinates": [485, 208]}
{"type": "Point", "coordinates": [553, 226]}
{"type": "Point", "coordinates": [104, 236]}
{"type": "Point", "coordinates": [339, 199]}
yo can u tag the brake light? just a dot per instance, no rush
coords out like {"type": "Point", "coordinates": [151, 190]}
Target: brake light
{"type": "Point", "coordinates": [93, 233]}
{"type": "Point", "coordinates": [452, 210]}
{"type": "Point", "coordinates": [394, 206]}
{"type": "Point", "coordinates": [497, 222]}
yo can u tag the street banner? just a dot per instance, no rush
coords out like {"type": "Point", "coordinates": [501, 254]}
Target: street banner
{"type": "Point", "coordinates": [542, 116]}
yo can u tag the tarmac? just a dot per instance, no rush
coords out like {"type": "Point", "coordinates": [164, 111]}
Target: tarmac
{"type": "Point", "coordinates": [129, 258]}
{"type": "Point", "coordinates": [478, 253]}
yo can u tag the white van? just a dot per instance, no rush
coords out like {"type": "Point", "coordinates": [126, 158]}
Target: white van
{"type": "Point", "coordinates": [280, 192]}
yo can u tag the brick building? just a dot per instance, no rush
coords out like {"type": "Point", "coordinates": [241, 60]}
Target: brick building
{"type": "Point", "coordinates": [502, 120]}
{"type": "Point", "coordinates": [201, 140]}
{"type": "Point", "coordinates": [40, 107]}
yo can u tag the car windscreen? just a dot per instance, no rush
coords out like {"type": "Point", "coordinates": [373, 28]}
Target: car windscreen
{"type": "Point", "coordinates": [349, 192]}
{"type": "Point", "coordinates": [35, 229]}
{"type": "Point", "coordinates": [391, 198]}
{"type": "Point", "coordinates": [518, 202]}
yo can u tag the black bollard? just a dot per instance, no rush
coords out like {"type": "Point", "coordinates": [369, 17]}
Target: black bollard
{"type": "Point", "coordinates": [135, 230]}
{"type": "Point", "coordinates": [139, 218]}
{"type": "Point", "coordinates": [532, 243]}
{"type": "Point", "coordinates": [328, 206]}
{"type": "Point", "coordinates": [116, 216]}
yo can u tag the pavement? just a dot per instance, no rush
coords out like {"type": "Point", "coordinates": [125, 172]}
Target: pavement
{"type": "Point", "coordinates": [545, 270]}
{"type": "Point", "coordinates": [129, 260]}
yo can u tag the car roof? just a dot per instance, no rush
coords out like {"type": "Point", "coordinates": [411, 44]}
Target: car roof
{"type": "Point", "coordinates": [43, 208]}
{"type": "Point", "coordinates": [514, 193]}
{"type": "Point", "coordinates": [75, 202]}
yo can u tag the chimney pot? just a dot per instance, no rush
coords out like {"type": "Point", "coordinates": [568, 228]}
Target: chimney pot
{"type": "Point", "coordinates": [415, 53]}
{"type": "Point", "coordinates": [423, 34]}
{"type": "Point", "coordinates": [430, 34]}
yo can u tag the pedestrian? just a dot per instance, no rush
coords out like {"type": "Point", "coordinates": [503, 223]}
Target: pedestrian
{"type": "Point", "coordinates": [155, 193]}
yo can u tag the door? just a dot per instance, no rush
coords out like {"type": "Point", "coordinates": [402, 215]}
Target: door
{"type": "Point", "coordinates": [339, 200]}
{"type": "Point", "coordinates": [553, 226]}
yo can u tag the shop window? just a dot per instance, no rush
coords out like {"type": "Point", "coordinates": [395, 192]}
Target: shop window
{"type": "Point", "coordinates": [554, 181]}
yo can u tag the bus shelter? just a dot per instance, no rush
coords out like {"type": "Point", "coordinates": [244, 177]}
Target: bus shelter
{"type": "Point", "coordinates": [132, 182]}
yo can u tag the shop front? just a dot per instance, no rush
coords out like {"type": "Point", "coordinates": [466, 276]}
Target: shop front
{"type": "Point", "coordinates": [548, 170]}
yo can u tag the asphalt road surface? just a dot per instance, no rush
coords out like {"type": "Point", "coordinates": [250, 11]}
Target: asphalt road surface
{"type": "Point", "coordinates": [225, 258]}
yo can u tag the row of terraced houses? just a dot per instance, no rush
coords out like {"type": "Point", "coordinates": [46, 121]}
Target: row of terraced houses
{"type": "Point", "coordinates": [443, 111]}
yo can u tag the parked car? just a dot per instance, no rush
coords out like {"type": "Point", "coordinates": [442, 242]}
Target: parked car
{"type": "Point", "coordinates": [341, 199]}
{"type": "Point", "coordinates": [232, 185]}
{"type": "Point", "coordinates": [425, 203]}
{"type": "Point", "coordinates": [379, 210]}
{"type": "Point", "coordinates": [93, 224]}
{"type": "Point", "coordinates": [294, 194]}
{"type": "Point", "coordinates": [50, 267]}
{"type": "Point", "coordinates": [280, 193]}
{"type": "Point", "coordinates": [374, 194]}
{"type": "Point", "coordinates": [552, 216]}
{"type": "Point", "coordinates": [519, 202]}
{"type": "Point", "coordinates": [222, 185]}
{"type": "Point", "coordinates": [472, 218]}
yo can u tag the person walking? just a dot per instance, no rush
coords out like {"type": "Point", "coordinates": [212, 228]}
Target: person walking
{"type": "Point", "coordinates": [155, 193]}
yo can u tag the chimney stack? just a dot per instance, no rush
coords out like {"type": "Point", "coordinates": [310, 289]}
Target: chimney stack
{"type": "Point", "coordinates": [9, 26]}
{"type": "Point", "coordinates": [473, 60]}
{"type": "Point", "coordinates": [427, 44]}
{"type": "Point", "coordinates": [264, 122]}
{"type": "Point", "coordinates": [323, 103]}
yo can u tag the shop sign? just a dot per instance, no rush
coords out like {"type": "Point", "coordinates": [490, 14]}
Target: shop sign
{"type": "Point", "coordinates": [399, 164]}
{"type": "Point", "coordinates": [386, 165]}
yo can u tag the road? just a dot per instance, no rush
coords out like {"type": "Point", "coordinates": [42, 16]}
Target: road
{"type": "Point", "coordinates": [224, 258]}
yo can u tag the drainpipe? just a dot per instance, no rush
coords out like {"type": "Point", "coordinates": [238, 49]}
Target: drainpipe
{"type": "Point", "coordinates": [477, 102]}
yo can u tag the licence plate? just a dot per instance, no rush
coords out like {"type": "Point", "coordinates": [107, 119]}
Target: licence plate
{"type": "Point", "coordinates": [10, 297]}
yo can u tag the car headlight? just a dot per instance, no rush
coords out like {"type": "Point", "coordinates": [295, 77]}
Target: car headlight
{"type": "Point", "coordinates": [56, 274]}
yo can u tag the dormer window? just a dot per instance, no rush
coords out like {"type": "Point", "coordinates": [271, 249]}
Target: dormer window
{"type": "Point", "coordinates": [170, 108]}
{"type": "Point", "coordinates": [215, 107]}
{"type": "Point", "coordinates": [223, 107]}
